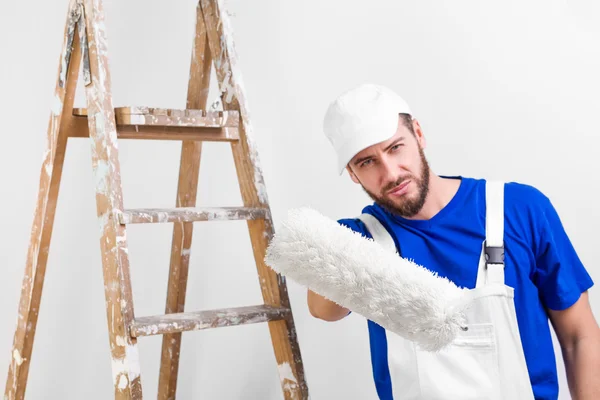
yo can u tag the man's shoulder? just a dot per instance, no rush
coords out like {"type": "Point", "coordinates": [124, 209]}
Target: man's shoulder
{"type": "Point", "coordinates": [516, 193]}
{"type": "Point", "coordinates": [526, 205]}
{"type": "Point", "coordinates": [520, 198]}
{"type": "Point", "coordinates": [513, 189]}
{"type": "Point", "coordinates": [524, 193]}
{"type": "Point", "coordinates": [524, 198]}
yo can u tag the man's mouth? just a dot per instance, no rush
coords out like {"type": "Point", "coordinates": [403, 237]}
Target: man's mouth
{"type": "Point", "coordinates": [400, 189]}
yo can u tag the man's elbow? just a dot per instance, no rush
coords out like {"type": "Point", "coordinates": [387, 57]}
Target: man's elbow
{"type": "Point", "coordinates": [328, 314]}
{"type": "Point", "coordinates": [325, 309]}
{"type": "Point", "coordinates": [324, 316]}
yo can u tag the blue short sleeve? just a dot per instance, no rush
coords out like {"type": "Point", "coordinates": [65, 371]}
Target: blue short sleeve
{"type": "Point", "coordinates": [559, 275]}
{"type": "Point", "coordinates": [356, 225]}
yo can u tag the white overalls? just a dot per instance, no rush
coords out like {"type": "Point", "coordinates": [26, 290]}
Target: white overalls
{"type": "Point", "coordinates": [486, 361]}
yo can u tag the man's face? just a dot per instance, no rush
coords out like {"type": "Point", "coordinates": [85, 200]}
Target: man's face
{"type": "Point", "coordinates": [395, 173]}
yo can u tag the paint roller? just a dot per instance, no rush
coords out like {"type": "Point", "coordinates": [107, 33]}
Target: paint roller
{"type": "Point", "coordinates": [358, 273]}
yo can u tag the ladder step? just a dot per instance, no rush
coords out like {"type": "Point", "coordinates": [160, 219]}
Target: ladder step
{"type": "Point", "coordinates": [170, 117]}
{"type": "Point", "coordinates": [194, 321]}
{"type": "Point", "coordinates": [190, 214]}
{"type": "Point", "coordinates": [166, 124]}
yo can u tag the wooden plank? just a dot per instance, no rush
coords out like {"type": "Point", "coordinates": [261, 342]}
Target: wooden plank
{"type": "Point", "coordinates": [189, 170]}
{"type": "Point", "coordinates": [78, 127]}
{"type": "Point", "coordinates": [189, 214]}
{"type": "Point", "coordinates": [254, 194]}
{"type": "Point", "coordinates": [43, 220]}
{"type": "Point", "coordinates": [170, 117]}
{"type": "Point", "coordinates": [109, 197]}
{"type": "Point", "coordinates": [194, 321]}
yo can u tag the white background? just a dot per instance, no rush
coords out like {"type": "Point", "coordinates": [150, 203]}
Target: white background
{"type": "Point", "coordinates": [503, 89]}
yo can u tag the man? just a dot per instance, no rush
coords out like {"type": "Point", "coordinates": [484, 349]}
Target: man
{"type": "Point", "coordinates": [440, 223]}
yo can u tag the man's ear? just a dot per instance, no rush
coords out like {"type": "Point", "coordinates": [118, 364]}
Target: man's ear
{"type": "Point", "coordinates": [419, 133]}
{"type": "Point", "coordinates": [352, 175]}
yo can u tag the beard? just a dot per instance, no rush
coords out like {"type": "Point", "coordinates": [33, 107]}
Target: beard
{"type": "Point", "coordinates": [405, 206]}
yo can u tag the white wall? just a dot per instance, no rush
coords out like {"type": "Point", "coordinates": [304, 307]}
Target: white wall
{"type": "Point", "coordinates": [503, 90]}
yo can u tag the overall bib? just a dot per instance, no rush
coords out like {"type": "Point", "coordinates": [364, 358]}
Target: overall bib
{"type": "Point", "coordinates": [486, 361]}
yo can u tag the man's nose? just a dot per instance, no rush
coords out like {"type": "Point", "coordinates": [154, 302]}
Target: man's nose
{"type": "Point", "coordinates": [389, 172]}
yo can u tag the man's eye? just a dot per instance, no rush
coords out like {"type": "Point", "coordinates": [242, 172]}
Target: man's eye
{"type": "Point", "coordinates": [365, 163]}
{"type": "Point", "coordinates": [397, 146]}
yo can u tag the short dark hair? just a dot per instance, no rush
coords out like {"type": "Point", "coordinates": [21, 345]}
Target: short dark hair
{"type": "Point", "coordinates": [407, 121]}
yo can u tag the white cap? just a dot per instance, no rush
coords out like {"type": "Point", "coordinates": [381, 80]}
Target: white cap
{"type": "Point", "coordinates": [361, 117]}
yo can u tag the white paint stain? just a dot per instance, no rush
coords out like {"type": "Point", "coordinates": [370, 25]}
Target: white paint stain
{"type": "Point", "coordinates": [122, 382]}
{"type": "Point", "coordinates": [102, 53]}
{"type": "Point", "coordinates": [63, 64]}
{"type": "Point", "coordinates": [121, 341]}
{"type": "Point", "coordinates": [57, 105]}
{"type": "Point", "coordinates": [113, 286]}
{"type": "Point", "coordinates": [288, 380]}
{"type": "Point", "coordinates": [100, 174]}
{"type": "Point", "coordinates": [149, 330]}
{"type": "Point", "coordinates": [47, 160]}
{"type": "Point", "coordinates": [112, 136]}
{"type": "Point", "coordinates": [103, 219]}
{"type": "Point", "coordinates": [216, 105]}
{"type": "Point", "coordinates": [17, 356]}
{"type": "Point", "coordinates": [127, 367]}
{"type": "Point", "coordinates": [137, 119]}
{"type": "Point", "coordinates": [285, 372]}
{"type": "Point", "coordinates": [163, 216]}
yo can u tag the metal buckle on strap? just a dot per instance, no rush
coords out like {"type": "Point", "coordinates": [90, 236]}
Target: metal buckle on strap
{"type": "Point", "coordinates": [494, 254]}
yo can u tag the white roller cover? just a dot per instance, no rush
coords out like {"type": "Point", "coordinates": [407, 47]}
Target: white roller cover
{"type": "Point", "coordinates": [359, 274]}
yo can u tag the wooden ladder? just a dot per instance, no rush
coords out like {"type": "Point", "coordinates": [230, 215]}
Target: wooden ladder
{"type": "Point", "coordinates": [85, 40]}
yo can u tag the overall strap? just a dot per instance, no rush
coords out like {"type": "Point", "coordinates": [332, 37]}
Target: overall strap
{"type": "Point", "coordinates": [494, 232]}
{"type": "Point", "coordinates": [378, 231]}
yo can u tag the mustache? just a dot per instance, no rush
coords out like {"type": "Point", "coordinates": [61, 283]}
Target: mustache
{"type": "Point", "coordinates": [392, 185]}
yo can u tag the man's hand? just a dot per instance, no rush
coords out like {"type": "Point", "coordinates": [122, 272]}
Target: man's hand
{"type": "Point", "coordinates": [325, 309]}
{"type": "Point", "coordinates": [579, 337]}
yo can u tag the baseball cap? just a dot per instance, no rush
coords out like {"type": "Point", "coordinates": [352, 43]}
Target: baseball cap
{"type": "Point", "coordinates": [361, 117]}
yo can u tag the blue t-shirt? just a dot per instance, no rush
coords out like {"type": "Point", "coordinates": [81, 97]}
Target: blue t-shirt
{"type": "Point", "coordinates": [540, 264]}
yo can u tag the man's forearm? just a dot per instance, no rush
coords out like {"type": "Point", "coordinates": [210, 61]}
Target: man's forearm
{"type": "Point", "coordinates": [582, 364]}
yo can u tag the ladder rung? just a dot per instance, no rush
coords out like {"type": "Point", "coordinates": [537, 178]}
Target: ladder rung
{"type": "Point", "coordinates": [190, 214]}
{"type": "Point", "coordinates": [171, 117]}
{"type": "Point", "coordinates": [165, 124]}
{"type": "Point", "coordinates": [193, 321]}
